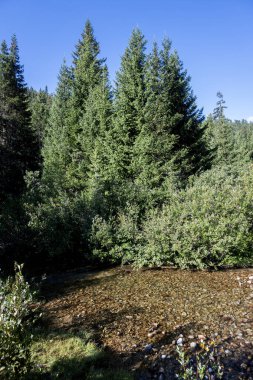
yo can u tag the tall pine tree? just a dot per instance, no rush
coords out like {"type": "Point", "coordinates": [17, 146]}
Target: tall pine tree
{"type": "Point", "coordinates": [19, 151]}
{"type": "Point", "coordinates": [88, 74]}
{"type": "Point", "coordinates": [184, 119]}
{"type": "Point", "coordinates": [56, 157]}
{"type": "Point", "coordinates": [129, 102]}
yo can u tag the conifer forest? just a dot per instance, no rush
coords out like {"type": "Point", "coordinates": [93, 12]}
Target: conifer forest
{"type": "Point", "coordinates": [131, 179]}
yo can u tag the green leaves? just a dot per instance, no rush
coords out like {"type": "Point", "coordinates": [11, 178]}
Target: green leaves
{"type": "Point", "coordinates": [15, 338]}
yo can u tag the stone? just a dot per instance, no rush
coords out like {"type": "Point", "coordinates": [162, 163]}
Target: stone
{"type": "Point", "coordinates": [148, 348]}
{"type": "Point", "coordinates": [193, 345]}
{"type": "Point", "coordinates": [180, 341]}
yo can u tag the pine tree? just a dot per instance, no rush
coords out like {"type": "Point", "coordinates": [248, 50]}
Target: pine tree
{"type": "Point", "coordinates": [56, 156]}
{"type": "Point", "coordinates": [39, 104]}
{"type": "Point", "coordinates": [221, 135]}
{"type": "Point", "coordinates": [129, 105]}
{"type": "Point", "coordinates": [218, 112]}
{"type": "Point", "coordinates": [184, 119]}
{"type": "Point", "coordinates": [154, 146]}
{"type": "Point", "coordinates": [88, 69]}
{"type": "Point", "coordinates": [96, 126]}
{"type": "Point", "coordinates": [88, 74]}
{"type": "Point", "coordinates": [19, 151]}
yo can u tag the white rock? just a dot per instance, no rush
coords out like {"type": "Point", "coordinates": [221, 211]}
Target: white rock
{"type": "Point", "coordinates": [180, 341]}
{"type": "Point", "coordinates": [193, 345]}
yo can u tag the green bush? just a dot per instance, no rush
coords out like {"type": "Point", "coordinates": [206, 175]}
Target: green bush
{"type": "Point", "coordinates": [116, 239]}
{"type": "Point", "coordinates": [15, 338]}
{"type": "Point", "coordinates": [58, 222]}
{"type": "Point", "coordinates": [209, 224]}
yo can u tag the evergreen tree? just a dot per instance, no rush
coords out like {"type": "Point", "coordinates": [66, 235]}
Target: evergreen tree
{"type": "Point", "coordinates": [88, 73]}
{"type": "Point", "coordinates": [184, 119]}
{"type": "Point", "coordinates": [154, 145]}
{"type": "Point", "coordinates": [88, 69]}
{"type": "Point", "coordinates": [39, 104]}
{"type": "Point", "coordinates": [94, 141]}
{"type": "Point", "coordinates": [129, 105]}
{"type": "Point", "coordinates": [218, 112]}
{"type": "Point", "coordinates": [221, 135]}
{"type": "Point", "coordinates": [171, 144]}
{"type": "Point", "coordinates": [56, 156]}
{"type": "Point", "coordinates": [18, 148]}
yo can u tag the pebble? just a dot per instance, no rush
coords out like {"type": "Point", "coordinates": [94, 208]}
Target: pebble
{"type": "Point", "coordinates": [201, 337]}
{"type": "Point", "coordinates": [228, 353]}
{"type": "Point", "coordinates": [180, 341]}
{"type": "Point", "coordinates": [148, 348]}
{"type": "Point", "coordinates": [161, 374]}
{"type": "Point", "coordinates": [163, 357]}
{"type": "Point", "coordinates": [193, 345]}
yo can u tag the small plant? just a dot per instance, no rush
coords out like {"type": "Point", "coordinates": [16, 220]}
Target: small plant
{"type": "Point", "coordinates": [200, 364]}
{"type": "Point", "coordinates": [15, 338]}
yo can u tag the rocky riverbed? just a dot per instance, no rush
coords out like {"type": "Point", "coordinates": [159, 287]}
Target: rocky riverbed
{"type": "Point", "coordinates": [140, 317]}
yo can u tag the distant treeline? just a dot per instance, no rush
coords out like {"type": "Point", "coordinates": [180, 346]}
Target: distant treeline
{"type": "Point", "coordinates": [130, 174]}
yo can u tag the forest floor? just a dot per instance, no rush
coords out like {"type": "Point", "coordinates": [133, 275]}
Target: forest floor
{"type": "Point", "coordinates": [138, 317]}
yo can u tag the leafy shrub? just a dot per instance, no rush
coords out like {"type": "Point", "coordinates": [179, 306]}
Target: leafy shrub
{"type": "Point", "coordinates": [59, 222]}
{"type": "Point", "coordinates": [209, 224]}
{"type": "Point", "coordinates": [15, 338]}
{"type": "Point", "coordinates": [116, 240]}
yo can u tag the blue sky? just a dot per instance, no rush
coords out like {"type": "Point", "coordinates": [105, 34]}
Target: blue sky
{"type": "Point", "coordinates": [214, 39]}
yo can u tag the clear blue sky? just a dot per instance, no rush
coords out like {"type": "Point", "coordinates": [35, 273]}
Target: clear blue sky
{"type": "Point", "coordinates": [214, 39]}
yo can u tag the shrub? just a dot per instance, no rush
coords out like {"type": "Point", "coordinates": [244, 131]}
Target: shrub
{"type": "Point", "coordinates": [15, 338]}
{"type": "Point", "coordinates": [117, 239]}
{"type": "Point", "coordinates": [209, 224]}
{"type": "Point", "coordinates": [58, 222]}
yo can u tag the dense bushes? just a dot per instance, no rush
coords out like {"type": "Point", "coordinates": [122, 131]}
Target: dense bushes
{"type": "Point", "coordinates": [57, 224]}
{"type": "Point", "coordinates": [208, 224]}
{"type": "Point", "coordinates": [15, 338]}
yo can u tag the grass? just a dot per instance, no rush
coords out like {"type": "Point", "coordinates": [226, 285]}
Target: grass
{"type": "Point", "coordinates": [67, 356]}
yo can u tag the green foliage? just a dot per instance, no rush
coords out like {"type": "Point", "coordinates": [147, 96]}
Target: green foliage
{"type": "Point", "coordinates": [218, 112]}
{"type": "Point", "coordinates": [126, 175]}
{"type": "Point", "coordinates": [56, 142]}
{"type": "Point", "coordinates": [15, 337]}
{"type": "Point", "coordinates": [128, 107]}
{"type": "Point", "coordinates": [116, 239]}
{"type": "Point", "coordinates": [18, 146]}
{"type": "Point", "coordinates": [58, 224]}
{"type": "Point", "coordinates": [202, 363]}
{"type": "Point", "coordinates": [209, 224]}
{"type": "Point", "coordinates": [39, 106]}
